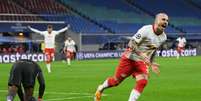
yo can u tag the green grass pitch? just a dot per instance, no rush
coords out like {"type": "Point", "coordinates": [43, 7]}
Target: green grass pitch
{"type": "Point", "coordinates": [180, 80]}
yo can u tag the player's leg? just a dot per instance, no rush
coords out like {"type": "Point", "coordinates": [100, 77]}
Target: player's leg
{"type": "Point", "coordinates": [28, 93]}
{"type": "Point", "coordinates": [52, 54]}
{"type": "Point", "coordinates": [28, 82]}
{"type": "Point", "coordinates": [182, 51]}
{"type": "Point", "coordinates": [48, 59]}
{"type": "Point", "coordinates": [122, 71]}
{"type": "Point", "coordinates": [68, 57]}
{"type": "Point", "coordinates": [20, 93]}
{"type": "Point", "coordinates": [141, 82]}
{"type": "Point", "coordinates": [178, 52]}
{"type": "Point", "coordinates": [141, 75]}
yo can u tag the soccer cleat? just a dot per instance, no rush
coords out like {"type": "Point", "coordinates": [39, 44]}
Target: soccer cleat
{"type": "Point", "coordinates": [98, 94]}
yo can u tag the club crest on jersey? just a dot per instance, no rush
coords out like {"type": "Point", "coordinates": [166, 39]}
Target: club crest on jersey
{"type": "Point", "coordinates": [138, 36]}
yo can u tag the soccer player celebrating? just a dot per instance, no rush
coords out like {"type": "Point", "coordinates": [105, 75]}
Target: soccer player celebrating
{"type": "Point", "coordinates": [49, 39]}
{"type": "Point", "coordinates": [138, 57]}
{"type": "Point", "coordinates": [181, 45]}
{"type": "Point", "coordinates": [23, 73]}
{"type": "Point", "coordinates": [69, 49]}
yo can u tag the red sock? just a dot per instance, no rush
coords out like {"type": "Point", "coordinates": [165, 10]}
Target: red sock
{"type": "Point", "coordinates": [140, 85]}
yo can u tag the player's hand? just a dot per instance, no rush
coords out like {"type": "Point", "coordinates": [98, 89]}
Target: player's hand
{"type": "Point", "coordinates": [155, 68]}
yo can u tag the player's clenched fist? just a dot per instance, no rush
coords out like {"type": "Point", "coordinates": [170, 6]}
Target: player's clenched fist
{"type": "Point", "coordinates": [155, 68]}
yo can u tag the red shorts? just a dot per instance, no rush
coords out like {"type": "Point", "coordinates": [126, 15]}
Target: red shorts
{"type": "Point", "coordinates": [129, 67]}
{"type": "Point", "coordinates": [180, 49]}
{"type": "Point", "coordinates": [69, 54]}
{"type": "Point", "coordinates": [49, 52]}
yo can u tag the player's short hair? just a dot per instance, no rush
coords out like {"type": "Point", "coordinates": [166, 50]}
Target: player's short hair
{"type": "Point", "coordinates": [160, 14]}
{"type": "Point", "coordinates": [49, 26]}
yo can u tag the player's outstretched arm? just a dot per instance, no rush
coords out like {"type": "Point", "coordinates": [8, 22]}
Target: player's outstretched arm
{"type": "Point", "coordinates": [35, 30]}
{"type": "Point", "coordinates": [41, 81]}
{"type": "Point", "coordinates": [63, 29]}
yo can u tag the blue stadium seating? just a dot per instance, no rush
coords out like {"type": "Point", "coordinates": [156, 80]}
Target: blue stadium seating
{"type": "Point", "coordinates": [114, 14]}
{"type": "Point", "coordinates": [122, 18]}
{"type": "Point", "coordinates": [177, 10]}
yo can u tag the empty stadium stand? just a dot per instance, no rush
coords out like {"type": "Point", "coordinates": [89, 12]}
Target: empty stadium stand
{"type": "Point", "coordinates": [183, 14]}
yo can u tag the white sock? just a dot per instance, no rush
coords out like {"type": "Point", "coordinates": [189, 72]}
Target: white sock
{"type": "Point", "coordinates": [68, 61]}
{"type": "Point", "coordinates": [48, 67]}
{"type": "Point", "coordinates": [103, 86]}
{"type": "Point", "coordinates": [134, 95]}
{"type": "Point", "coordinates": [53, 58]}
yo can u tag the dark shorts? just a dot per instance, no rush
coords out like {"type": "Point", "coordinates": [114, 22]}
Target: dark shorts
{"type": "Point", "coordinates": [19, 75]}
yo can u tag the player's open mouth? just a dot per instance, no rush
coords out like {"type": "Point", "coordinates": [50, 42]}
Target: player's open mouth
{"type": "Point", "coordinates": [164, 25]}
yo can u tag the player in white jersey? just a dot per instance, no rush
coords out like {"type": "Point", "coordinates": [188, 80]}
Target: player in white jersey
{"type": "Point", "coordinates": [49, 40]}
{"type": "Point", "coordinates": [69, 49]}
{"type": "Point", "coordinates": [181, 45]}
{"type": "Point", "coordinates": [138, 57]}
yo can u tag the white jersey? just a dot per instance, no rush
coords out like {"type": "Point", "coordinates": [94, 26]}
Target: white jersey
{"type": "Point", "coordinates": [147, 41]}
{"type": "Point", "coordinates": [49, 39]}
{"type": "Point", "coordinates": [182, 42]}
{"type": "Point", "coordinates": [70, 45]}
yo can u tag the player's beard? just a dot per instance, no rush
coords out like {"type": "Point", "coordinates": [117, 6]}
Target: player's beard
{"type": "Point", "coordinates": [159, 29]}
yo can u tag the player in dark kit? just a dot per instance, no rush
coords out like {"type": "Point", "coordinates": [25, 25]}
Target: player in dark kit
{"type": "Point", "coordinates": [23, 73]}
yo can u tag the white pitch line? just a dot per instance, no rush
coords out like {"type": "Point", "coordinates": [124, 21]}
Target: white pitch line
{"type": "Point", "coordinates": [73, 95]}
{"type": "Point", "coordinates": [59, 93]}
{"type": "Point", "coordinates": [68, 98]}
